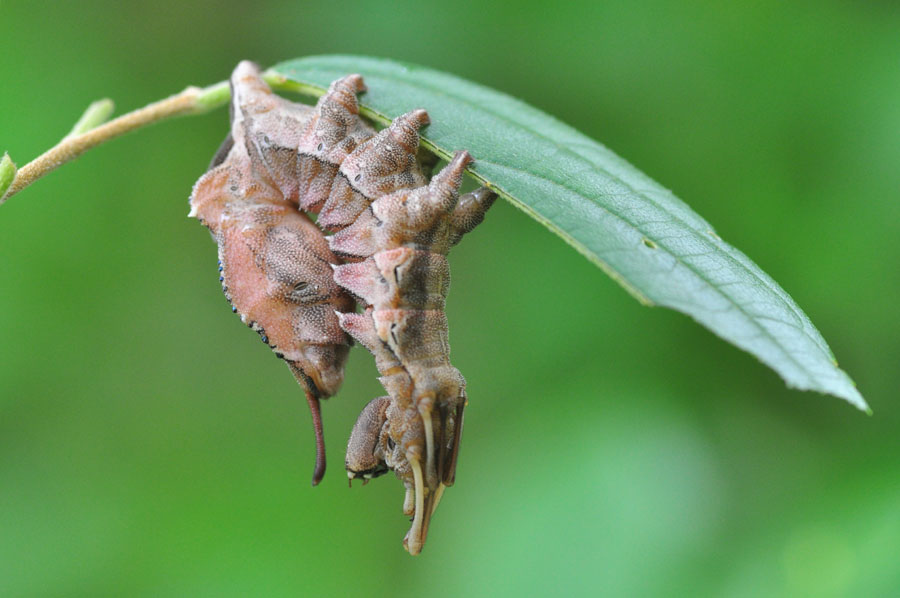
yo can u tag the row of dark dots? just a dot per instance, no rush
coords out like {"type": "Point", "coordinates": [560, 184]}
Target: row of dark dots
{"type": "Point", "coordinates": [259, 329]}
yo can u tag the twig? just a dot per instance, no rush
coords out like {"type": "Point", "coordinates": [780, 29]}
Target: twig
{"type": "Point", "coordinates": [86, 134]}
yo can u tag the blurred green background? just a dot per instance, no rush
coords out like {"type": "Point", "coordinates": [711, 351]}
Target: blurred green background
{"type": "Point", "coordinates": [150, 445]}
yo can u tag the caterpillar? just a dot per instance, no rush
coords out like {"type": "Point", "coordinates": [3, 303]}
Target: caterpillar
{"type": "Point", "coordinates": [392, 229]}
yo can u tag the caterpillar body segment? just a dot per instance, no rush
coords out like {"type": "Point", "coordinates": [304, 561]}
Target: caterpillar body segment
{"type": "Point", "coordinates": [383, 164]}
{"type": "Point", "coordinates": [401, 278]}
{"type": "Point", "coordinates": [275, 265]}
{"type": "Point", "coordinates": [268, 127]}
{"type": "Point", "coordinates": [331, 134]}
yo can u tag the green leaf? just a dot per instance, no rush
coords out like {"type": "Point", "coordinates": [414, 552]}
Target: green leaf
{"type": "Point", "coordinates": [634, 229]}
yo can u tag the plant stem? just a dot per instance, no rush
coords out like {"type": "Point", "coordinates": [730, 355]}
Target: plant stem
{"type": "Point", "coordinates": [193, 100]}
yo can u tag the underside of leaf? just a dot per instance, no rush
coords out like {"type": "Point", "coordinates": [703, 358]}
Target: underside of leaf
{"type": "Point", "coordinates": [638, 232]}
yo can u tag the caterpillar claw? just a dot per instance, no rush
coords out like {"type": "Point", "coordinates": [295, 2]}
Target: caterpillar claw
{"type": "Point", "coordinates": [424, 405]}
{"type": "Point", "coordinates": [409, 502]}
{"type": "Point", "coordinates": [415, 537]}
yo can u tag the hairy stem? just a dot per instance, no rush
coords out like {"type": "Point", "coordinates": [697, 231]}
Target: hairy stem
{"type": "Point", "coordinates": [85, 134]}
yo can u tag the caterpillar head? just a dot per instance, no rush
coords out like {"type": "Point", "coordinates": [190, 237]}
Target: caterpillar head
{"type": "Point", "coordinates": [368, 440]}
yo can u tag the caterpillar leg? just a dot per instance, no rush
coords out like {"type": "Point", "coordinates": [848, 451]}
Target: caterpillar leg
{"type": "Point", "coordinates": [409, 501]}
{"type": "Point", "coordinates": [469, 212]}
{"type": "Point", "coordinates": [425, 404]}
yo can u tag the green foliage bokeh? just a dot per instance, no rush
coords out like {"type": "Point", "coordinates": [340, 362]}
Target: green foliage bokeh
{"type": "Point", "coordinates": [151, 445]}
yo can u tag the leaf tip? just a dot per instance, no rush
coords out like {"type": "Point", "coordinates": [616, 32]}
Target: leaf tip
{"type": "Point", "coordinates": [853, 396]}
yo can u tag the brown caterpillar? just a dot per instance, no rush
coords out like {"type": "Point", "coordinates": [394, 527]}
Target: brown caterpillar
{"type": "Point", "coordinates": [370, 187]}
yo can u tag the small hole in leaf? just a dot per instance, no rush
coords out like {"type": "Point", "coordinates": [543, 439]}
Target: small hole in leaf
{"type": "Point", "coordinates": [649, 243]}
